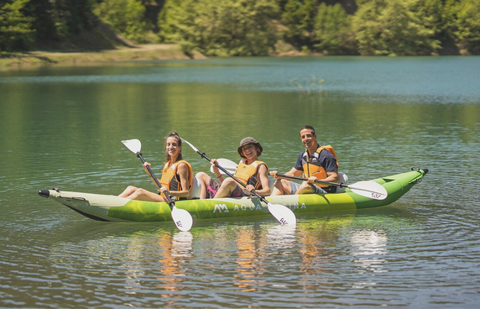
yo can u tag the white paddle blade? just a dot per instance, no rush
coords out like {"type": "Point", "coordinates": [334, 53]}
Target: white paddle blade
{"type": "Point", "coordinates": [134, 145]}
{"type": "Point", "coordinates": [283, 214]}
{"type": "Point", "coordinates": [369, 189]}
{"type": "Point", "coordinates": [182, 219]}
{"type": "Point", "coordinates": [229, 165]}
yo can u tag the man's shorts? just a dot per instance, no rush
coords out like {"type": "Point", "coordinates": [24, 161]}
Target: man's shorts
{"type": "Point", "coordinates": [294, 186]}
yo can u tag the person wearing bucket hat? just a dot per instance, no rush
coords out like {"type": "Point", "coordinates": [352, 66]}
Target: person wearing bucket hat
{"type": "Point", "coordinates": [250, 170]}
{"type": "Point", "coordinates": [316, 163]}
{"type": "Point", "coordinates": [246, 141]}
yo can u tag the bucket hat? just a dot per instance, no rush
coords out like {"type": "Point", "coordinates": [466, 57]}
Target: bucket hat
{"type": "Point", "coordinates": [246, 141]}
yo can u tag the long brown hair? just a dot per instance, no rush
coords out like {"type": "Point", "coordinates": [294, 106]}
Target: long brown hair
{"type": "Point", "coordinates": [179, 141]}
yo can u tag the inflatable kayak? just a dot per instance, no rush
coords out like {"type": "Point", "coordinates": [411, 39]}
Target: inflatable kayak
{"type": "Point", "coordinates": [114, 208]}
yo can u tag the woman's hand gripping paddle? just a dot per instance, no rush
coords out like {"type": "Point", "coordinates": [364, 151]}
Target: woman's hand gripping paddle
{"type": "Point", "coordinates": [182, 218]}
{"type": "Point", "coordinates": [282, 213]}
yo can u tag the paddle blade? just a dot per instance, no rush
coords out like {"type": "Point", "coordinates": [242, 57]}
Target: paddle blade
{"type": "Point", "coordinates": [189, 144]}
{"type": "Point", "coordinates": [283, 214]}
{"type": "Point", "coordinates": [229, 165]}
{"type": "Point", "coordinates": [369, 189]}
{"type": "Point", "coordinates": [134, 145]}
{"type": "Point", "coordinates": [182, 219]}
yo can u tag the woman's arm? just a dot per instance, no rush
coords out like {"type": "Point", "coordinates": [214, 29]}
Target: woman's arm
{"type": "Point", "coordinates": [147, 165]}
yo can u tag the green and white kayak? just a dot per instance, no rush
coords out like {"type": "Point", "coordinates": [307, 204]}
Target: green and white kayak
{"type": "Point", "coordinates": [114, 208]}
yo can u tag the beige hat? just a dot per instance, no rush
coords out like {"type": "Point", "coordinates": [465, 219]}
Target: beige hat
{"type": "Point", "coordinates": [246, 141]}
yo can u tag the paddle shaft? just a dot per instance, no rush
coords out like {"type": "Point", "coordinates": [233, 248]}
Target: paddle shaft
{"type": "Point", "coordinates": [169, 199]}
{"type": "Point", "coordinates": [283, 215]}
{"type": "Point", "coordinates": [375, 192]}
{"type": "Point", "coordinates": [341, 185]}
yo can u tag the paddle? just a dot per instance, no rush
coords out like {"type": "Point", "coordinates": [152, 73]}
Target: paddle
{"type": "Point", "coordinates": [182, 218]}
{"type": "Point", "coordinates": [369, 189]}
{"type": "Point", "coordinates": [282, 213]}
{"type": "Point", "coordinates": [227, 164]}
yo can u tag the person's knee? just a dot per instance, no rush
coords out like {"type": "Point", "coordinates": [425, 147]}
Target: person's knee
{"type": "Point", "coordinates": [283, 185]}
{"type": "Point", "coordinates": [304, 188]}
{"type": "Point", "coordinates": [139, 192]}
{"type": "Point", "coordinates": [278, 183]}
{"type": "Point", "coordinates": [200, 174]}
{"type": "Point", "coordinates": [229, 183]}
{"type": "Point", "coordinates": [203, 177]}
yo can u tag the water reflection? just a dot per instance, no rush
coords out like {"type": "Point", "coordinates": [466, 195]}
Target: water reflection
{"type": "Point", "coordinates": [230, 260]}
{"type": "Point", "coordinates": [249, 261]}
{"type": "Point", "coordinates": [175, 252]}
{"type": "Point", "coordinates": [369, 249]}
{"type": "Point", "coordinates": [281, 236]}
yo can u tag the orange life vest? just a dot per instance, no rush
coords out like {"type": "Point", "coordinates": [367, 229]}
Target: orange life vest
{"type": "Point", "coordinates": [318, 171]}
{"type": "Point", "coordinates": [171, 180]}
{"type": "Point", "coordinates": [248, 173]}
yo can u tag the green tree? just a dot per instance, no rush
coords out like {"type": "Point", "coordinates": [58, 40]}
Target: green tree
{"type": "Point", "coordinates": [333, 31]}
{"type": "Point", "coordinates": [125, 16]}
{"type": "Point", "coordinates": [15, 27]}
{"type": "Point", "coordinates": [463, 24]}
{"type": "Point", "coordinates": [72, 16]}
{"type": "Point", "coordinates": [220, 28]}
{"type": "Point", "coordinates": [42, 12]}
{"type": "Point", "coordinates": [174, 18]}
{"type": "Point", "coordinates": [394, 27]}
{"type": "Point", "coordinates": [299, 17]}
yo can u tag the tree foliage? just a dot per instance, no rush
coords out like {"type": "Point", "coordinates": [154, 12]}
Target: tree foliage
{"type": "Point", "coordinates": [394, 27]}
{"type": "Point", "coordinates": [27, 23]}
{"type": "Point", "coordinates": [220, 28]}
{"type": "Point", "coordinates": [125, 16]}
{"type": "Point", "coordinates": [462, 19]}
{"type": "Point", "coordinates": [249, 27]}
{"type": "Point", "coordinates": [299, 17]}
{"type": "Point", "coordinates": [15, 27]}
{"type": "Point", "coordinates": [41, 13]}
{"type": "Point", "coordinates": [333, 31]}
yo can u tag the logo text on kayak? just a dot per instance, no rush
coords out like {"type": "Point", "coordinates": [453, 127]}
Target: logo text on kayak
{"type": "Point", "coordinates": [221, 208]}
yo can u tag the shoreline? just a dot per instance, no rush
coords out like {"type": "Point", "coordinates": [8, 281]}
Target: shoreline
{"type": "Point", "coordinates": [144, 52]}
{"type": "Point", "coordinates": [141, 52]}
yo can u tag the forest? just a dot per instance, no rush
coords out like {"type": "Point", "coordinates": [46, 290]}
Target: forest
{"type": "Point", "coordinates": [246, 27]}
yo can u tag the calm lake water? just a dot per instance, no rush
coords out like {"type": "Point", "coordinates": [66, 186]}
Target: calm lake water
{"type": "Point", "coordinates": [63, 126]}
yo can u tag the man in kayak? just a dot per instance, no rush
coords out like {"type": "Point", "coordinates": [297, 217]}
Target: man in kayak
{"type": "Point", "coordinates": [316, 162]}
{"type": "Point", "coordinates": [177, 175]}
{"type": "Point", "coordinates": [250, 171]}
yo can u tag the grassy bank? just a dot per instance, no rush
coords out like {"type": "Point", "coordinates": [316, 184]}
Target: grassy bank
{"type": "Point", "coordinates": [140, 52]}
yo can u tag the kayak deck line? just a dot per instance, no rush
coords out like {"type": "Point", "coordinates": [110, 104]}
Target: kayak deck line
{"type": "Point", "coordinates": [114, 208]}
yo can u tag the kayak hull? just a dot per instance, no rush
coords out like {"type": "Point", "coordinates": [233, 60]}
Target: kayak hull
{"type": "Point", "coordinates": [114, 208]}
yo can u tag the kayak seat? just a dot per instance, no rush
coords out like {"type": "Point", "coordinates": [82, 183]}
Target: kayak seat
{"type": "Point", "coordinates": [343, 179]}
{"type": "Point", "coordinates": [195, 191]}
